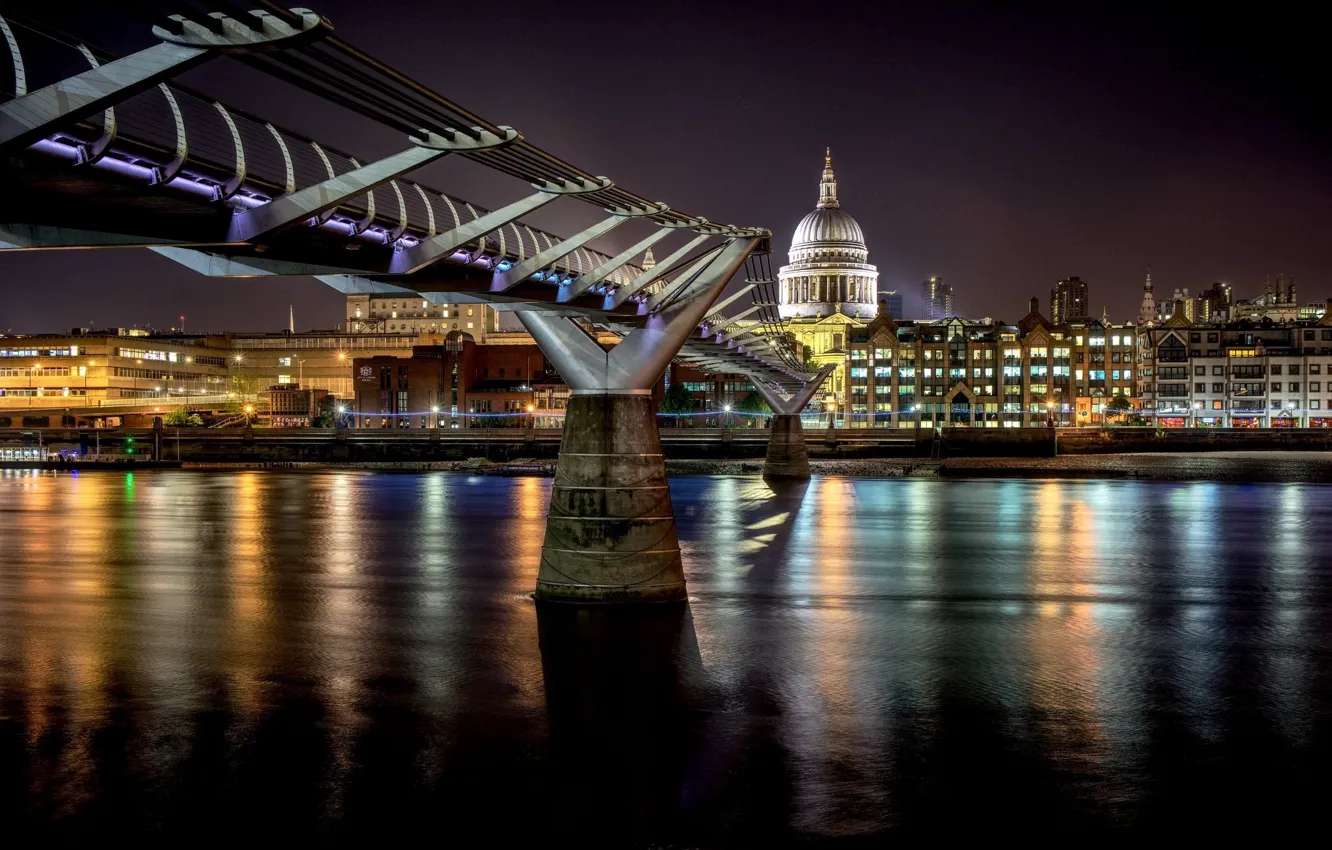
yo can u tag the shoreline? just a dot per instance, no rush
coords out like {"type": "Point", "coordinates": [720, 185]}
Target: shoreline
{"type": "Point", "coordinates": [1239, 466]}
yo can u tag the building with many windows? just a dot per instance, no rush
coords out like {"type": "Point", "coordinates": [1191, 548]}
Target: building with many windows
{"type": "Point", "coordinates": [1241, 374]}
{"type": "Point", "coordinates": [1069, 301]}
{"type": "Point", "coordinates": [892, 299]}
{"type": "Point", "coordinates": [317, 360]}
{"type": "Point", "coordinates": [936, 298]}
{"type": "Point", "coordinates": [969, 373]}
{"type": "Point", "coordinates": [92, 368]}
{"type": "Point", "coordinates": [400, 315]}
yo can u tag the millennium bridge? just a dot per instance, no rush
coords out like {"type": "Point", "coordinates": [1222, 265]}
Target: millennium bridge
{"type": "Point", "coordinates": [100, 151]}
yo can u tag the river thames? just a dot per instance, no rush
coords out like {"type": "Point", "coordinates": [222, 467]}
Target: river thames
{"type": "Point", "coordinates": [250, 655]}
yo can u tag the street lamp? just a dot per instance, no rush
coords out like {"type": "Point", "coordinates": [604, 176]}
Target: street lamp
{"type": "Point", "coordinates": [531, 419]}
{"type": "Point", "coordinates": [1049, 414]}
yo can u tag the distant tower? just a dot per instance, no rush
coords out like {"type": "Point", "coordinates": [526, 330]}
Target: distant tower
{"type": "Point", "coordinates": [936, 298]}
{"type": "Point", "coordinates": [1069, 300]}
{"type": "Point", "coordinates": [291, 318]}
{"type": "Point", "coordinates": [649, 261]}
{"type": "Point", "coordinates": [1147, 312]}
{"type": "Point", "coordinates": [1290, 290]}
{"type": "Point", "coordinates": [893, 299]}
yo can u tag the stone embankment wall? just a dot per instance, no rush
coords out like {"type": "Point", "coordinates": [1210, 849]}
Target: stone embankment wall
{"type": "Point", "coordinates": [328, 446]}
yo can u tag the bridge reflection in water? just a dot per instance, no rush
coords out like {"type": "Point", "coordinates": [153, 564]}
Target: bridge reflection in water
{"type": "Point", "coordinates": [357, 655]}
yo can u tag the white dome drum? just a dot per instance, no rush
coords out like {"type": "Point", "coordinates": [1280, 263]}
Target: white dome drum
{"type": "Point", "coordinates": [829, 269]}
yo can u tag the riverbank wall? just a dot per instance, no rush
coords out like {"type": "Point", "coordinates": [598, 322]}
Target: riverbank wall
{"type": "Point", "coordinates": [240, 445]}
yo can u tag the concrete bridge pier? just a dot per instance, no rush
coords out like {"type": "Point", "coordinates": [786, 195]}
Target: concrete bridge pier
{"type": "Point", "coordinates": [610, 536]}
{"type": "Point", "coordinates": [787, 455]}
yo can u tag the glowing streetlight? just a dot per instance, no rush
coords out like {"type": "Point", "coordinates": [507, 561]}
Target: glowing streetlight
{"type": "Point", "coordinates": [532, 407]}
{"type": "Point", "coordinates": [434, 409]}
{"type": "Point", "coordinates": [249, 409]}
{"type": "Point", "coordinates": [727, 408]}
{"type": "Point", "coordinates": [342, 355]}
{"type": "Point", "coordinates": [239, 358]}
{"type": "Point", "coordinates": [342, 408]}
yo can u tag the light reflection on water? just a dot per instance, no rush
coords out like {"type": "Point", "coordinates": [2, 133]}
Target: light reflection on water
{"type": "Point", "coordinates": [351, 652]}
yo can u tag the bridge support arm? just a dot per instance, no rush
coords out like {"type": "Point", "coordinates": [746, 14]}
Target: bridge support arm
{"type": "Point", "coordinates": [288, 210]}
{"type": "Point", "coordinates": [610, 534]}
{"type": "Point", "coordinates": [663, 267]}
{"type": "Point", "coordinates": [606, 269]}
{"type": "Point", "coordinates": [439, 247]}
{"type": "Point", "coordinates": [522, 271]}
{"type": "Point", "coordinates": [787, 455]}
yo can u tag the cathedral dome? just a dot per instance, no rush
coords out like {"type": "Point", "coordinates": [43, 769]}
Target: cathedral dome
{"type": "Point", "coordinates": [829, 270]}
{"type": "Point", "coordinates": [825, 225]}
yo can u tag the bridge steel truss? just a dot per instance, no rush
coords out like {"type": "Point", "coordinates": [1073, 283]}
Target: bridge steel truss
{"type": "Point", "coordinates": [115, 156]}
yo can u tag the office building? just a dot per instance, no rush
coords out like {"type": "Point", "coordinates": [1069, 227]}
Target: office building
{"type": "Point", "coordinates": [893, 299]}
{"type": "Point", "coordinates": [1069, 301]}
{"type": "Point", "coordinates": [936, 299]}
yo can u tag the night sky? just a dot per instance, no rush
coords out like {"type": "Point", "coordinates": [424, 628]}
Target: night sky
{"type": "Point", "coordinates": [1001, 150]}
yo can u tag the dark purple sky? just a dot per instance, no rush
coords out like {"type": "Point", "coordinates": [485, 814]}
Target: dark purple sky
{"type": "Point", "coordinates": [1001, 150]}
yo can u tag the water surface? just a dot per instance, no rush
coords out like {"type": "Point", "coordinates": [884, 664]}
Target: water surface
{"type": "Point", "coordinates": [248, 655]}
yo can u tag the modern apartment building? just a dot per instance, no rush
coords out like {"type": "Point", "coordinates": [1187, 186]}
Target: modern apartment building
{"type": "Point", "coordinates": [1242, 374]}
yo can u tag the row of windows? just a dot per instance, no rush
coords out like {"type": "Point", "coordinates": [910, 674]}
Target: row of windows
{"type": "Point", "coordinates": [335, 343]}
{"type": "Point", "coordinates": [1250, 388]}
{"type": "Point", "coordinates": [147, 354]}
{"type": "Point", "coordinates": [1276, 404]}
{"type": "Point", "coordinates": [43, 392]}
{"type": "Point", "coordinates": [72, 351]}
{"type": "Point", "coordinates": [41, 371]}
{"type": "Point", "coordinates": [159, 375]}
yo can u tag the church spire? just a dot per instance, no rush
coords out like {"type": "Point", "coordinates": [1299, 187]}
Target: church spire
{"type": "Point", "coordinates": [828, 185]}
{"type": "Point", "coordinates": [649, 261]}
{"type": "Point", "coordinates": [1147, 310]}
